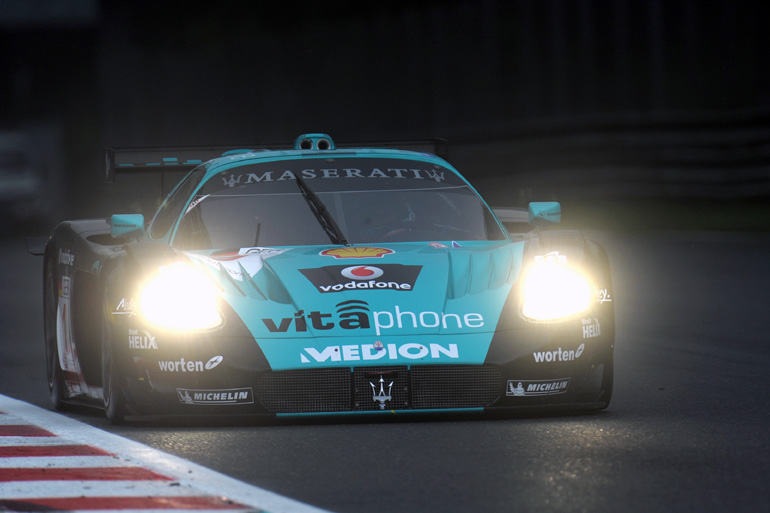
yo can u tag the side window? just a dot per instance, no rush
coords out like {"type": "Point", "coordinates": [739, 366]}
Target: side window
{"type": "Point", "coordinates": [172, 206]}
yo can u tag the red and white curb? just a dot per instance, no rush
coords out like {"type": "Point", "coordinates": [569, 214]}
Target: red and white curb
{"type": "Point", "coordinates": [49, 462]}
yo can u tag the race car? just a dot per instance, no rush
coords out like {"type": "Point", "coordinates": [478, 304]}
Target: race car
{"type": "Point", "coordinates": [315, 279]}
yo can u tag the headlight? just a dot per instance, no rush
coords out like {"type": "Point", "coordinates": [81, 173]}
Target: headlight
{"type": "Point", "coordinates": [180, 297]}
{"type": "Point", "coordinates": [552, 291]}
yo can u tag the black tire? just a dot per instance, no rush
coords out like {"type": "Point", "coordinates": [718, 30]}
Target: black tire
{"type": "Point", "coordinates": [54, 374]}
{"type": "Point", "coordinates": [114, 398]}
{"type": "Point", "coordinates": [608, 380]}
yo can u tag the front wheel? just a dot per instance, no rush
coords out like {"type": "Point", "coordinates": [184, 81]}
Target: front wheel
{"type": "Point", "coordinates": [114, 399]}
{"type": "Point", "coordinates": [54, 374]}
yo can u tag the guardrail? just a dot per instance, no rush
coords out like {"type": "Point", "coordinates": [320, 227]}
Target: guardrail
{"type": "Point", "coordinates": [727, 157]}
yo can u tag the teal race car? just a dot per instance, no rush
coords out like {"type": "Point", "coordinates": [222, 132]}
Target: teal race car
{"type": "Point", "coordinates": [317, 279]}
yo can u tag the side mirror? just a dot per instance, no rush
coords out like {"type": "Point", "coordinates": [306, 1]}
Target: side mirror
{"type": "Point", "coordinates": [544, 213]}
{"type": "Point", "coordinates": [126, 225]}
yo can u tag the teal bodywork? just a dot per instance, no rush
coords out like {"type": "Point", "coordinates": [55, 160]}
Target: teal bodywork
{"type": "Point", "coordinates": [449, 316]}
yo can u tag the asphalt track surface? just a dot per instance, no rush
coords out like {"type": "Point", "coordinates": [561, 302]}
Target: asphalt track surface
{"type": "Point", "coordinates": [688, 428]}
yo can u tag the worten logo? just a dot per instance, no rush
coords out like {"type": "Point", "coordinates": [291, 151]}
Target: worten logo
{"type": "Point", "coordinates": [559, 355]}
{"type": "Point", "coordinates": [340, 278]}
{"type": "Point", "coordinates": [183, 365]}
{"type": "Point", "coordinates": [355, 314]}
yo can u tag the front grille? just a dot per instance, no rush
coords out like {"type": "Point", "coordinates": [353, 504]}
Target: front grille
{"type": "Point", "coordinates": [306, 390]}
{"type": "Point", "coordinates": [455, 386]}
{"type": "Point", "coordinates": [339, 389]}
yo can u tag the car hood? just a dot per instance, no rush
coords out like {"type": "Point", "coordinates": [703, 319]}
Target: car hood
{"type": "Point", "coordinates": [331, 305]}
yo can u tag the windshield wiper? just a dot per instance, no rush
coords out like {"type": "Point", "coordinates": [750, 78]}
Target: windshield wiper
{"type": "Point", "coordinates": [320, 212]}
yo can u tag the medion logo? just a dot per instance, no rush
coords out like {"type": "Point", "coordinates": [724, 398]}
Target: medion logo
{"type": "Point", "coordinates": [379, 351]}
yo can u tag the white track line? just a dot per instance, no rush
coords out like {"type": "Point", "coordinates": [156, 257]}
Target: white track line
{"type": "Point", "coordinates": [188, 475]}
{"type": "Point", "coordinates": [16, 441]}
{"type": "Point", "coordinates": [75, 488]}
{"type": "Point", "coordinates": [63, 462]}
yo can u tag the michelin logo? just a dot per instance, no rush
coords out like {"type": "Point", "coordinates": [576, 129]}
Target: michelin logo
{"type": "Point", "coordinates": [528, 388]}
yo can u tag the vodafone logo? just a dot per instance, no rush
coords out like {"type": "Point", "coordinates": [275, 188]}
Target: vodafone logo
{"type": "Point", "coordinates": [362, 272]}
{"type": "Point", "coordinates": [343, 278]}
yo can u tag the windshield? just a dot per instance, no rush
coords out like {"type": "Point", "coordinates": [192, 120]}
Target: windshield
{"type": "Point", "coordinates": [371, 200]}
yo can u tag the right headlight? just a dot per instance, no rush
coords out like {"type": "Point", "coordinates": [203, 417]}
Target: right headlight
{"type": "Point", "coordinates": [553, 291]}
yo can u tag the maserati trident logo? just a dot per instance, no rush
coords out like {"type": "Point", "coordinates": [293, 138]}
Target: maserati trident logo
{"type": "Point", "coordinates": [232, 181]}
{"type": "Point", "coordinates": [381, 397]}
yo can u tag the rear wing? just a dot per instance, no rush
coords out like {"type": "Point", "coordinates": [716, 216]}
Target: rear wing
{"type": "Point", "coordinates": [154, 160]}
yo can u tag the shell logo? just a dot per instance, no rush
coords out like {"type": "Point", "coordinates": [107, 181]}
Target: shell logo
{"type": "Point", "coordinates": [360, 252]}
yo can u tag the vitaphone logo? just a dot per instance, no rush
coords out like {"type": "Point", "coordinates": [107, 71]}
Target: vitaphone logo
{"type": "Point", "coordinates": [355, 315]}
{"type": "Point", "coordinates": [341, 278]}
{"type": "Point", "coordinates": [309, 174]}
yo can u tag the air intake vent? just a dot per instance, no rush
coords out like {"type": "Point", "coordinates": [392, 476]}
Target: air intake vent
{"type": "Point", "coordinates": [380, 388]}
{"type": "Point", "coordinates": [314, 142]}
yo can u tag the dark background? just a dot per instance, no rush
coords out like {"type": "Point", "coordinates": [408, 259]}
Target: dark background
{"type": "Point", "coordinates": [634, 114]}
{"type": "Point", "coordinates": [631, 113]}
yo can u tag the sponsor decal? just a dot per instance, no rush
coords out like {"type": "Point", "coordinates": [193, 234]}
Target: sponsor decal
{"type": "Point", "coordinates": [66, 257]}
{"type": "Point", "coordinates": [559, 355]}
{"type": "Point", "coordinates": [64, 287]}
{"type": "Point", "coordinates": [183, 365]}
{"type": "Point", "coordinates": [126, 306]}
{"type": "Point", "coordinates": [603, 296]}
{"type": "Point", "coordinates": [195, 202]}
{"type": "Point", "coordinates": [362, 272]}
{"type": "Point", "coordinates": [141, 339]}
{"type": "Point", "coordinates": [227, 256]}
{"type": "Point", "coordinates": [528, 388]}
{"type": "Point", "coordinates": [456, 244]}
{"type": "Point", "coordinates": [438, 245]}
{"type": "Point", "coordinates": [552, 257]}
{"type": "Point", "coordinates": [355, 314]}
{"type": "Point", "coordinates": [333, 173]}
{"type": "Point", "coordinates": [67, 355]}
{"type": "Point", "coordinates": [215, 397]}
{"type": "Point", "coordinates": [591, 328]}
{"type": "Point", "coordinates": [358, 252]}
{"type": "Point", "coordinates": [235, 263]}
{"type": "Point", "coordinates": [369, 352]}
{"type": "Point", "coordinates": [213, 362]}
{"type": "Point", "coordinates": [381, 397]}
{"type": "Point", "coordinates": [340, 278]}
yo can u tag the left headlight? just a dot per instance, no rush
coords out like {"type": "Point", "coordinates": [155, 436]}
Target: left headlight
{"type": "Point", "coordinates": [555, 291]}
{"type": "Point", "coordinates": [180, 297]}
